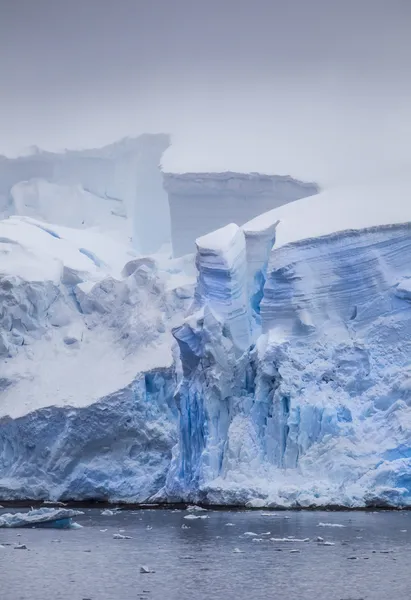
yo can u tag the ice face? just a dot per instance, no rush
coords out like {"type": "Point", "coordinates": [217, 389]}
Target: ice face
{"type": "Point", "coordinates": [117, 189]}
{"type": "Point", "coordinates": [315, 412]}
{"type": "Point", "coordinates": [203, 202]}
{"type": "Point", "coordinates": [118, 448]}
{"type": "Point", "coordinates": [282, 378]}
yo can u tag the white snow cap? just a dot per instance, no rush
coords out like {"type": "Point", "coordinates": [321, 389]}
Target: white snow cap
{"type": "Point", "coordinates": [338, 209]}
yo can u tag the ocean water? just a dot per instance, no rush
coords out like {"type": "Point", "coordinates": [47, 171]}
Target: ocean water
{"type": "Point", "coordinates": [370, 558]}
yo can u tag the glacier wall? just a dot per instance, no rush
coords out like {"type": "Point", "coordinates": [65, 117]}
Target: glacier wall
{"type": "Point", "coordinates": [116, 449]}
{"type": "Point", "coordinates": [316, 411]}
{"type": "Point", "coordinates": [282, 379]}
{"type": "Point", "coordinates": [102, 187]}
{"type": "Point", "coordinates": [87, 376]}
{"type": "Point", "coordinates": [202, 202]}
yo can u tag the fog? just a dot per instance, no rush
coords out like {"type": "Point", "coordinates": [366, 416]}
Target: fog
{"type": "Point", "coordinates": [318, 89]}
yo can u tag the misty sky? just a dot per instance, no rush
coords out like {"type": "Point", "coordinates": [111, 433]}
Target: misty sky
{"type": "Point", "coordinates": [294, 73]}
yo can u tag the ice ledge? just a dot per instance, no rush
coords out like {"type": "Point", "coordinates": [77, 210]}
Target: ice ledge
{"type": "Point", "coordinates": [227, 182]}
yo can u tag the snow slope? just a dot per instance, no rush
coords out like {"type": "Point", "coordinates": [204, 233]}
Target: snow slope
{"type": "Point", "coordinates": [87, 374]}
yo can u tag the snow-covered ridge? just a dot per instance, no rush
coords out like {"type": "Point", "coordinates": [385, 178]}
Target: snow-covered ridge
{"type": "Point", "coordinates": [88, 304]}
{"type": "Point", "coordinates": [339, 209]}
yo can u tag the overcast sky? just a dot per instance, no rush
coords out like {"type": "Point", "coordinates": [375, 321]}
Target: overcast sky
{"type": "Point", "coordinates": [85, 72]}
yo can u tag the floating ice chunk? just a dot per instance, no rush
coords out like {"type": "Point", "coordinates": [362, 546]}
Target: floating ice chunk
{"type": "Point", "coordinates": [250, 533]}
{"type": "Point", "coordinates": [238, 551]}
{"type": "Point", "coordinates": [289, 539]}
{"type": "Point", "coordinates": [195, 508]}
{"type": "Point", "coordinates": [192, 517]}
{"type": "Point", "coordinates": [107, 513]}
{"type": "Point", "coordinates": [330, 525]}
{"type": "Point", "coordinates": [185, 526]}
{"type": "Point", "coordinates": [294, 551]}
{"type": "Point", "coordinates": [53, 503]}
{"type": "Point", "coordinates": [144, 569]}
{"type": "Point", "coordinates": [229, 524]}
{"type": "Point", "coordinates": [76, 526]}
{"type": "Point", "coordinates": [20, 547]}
{"type": "Point", "coordinates": [120, 536]}
{"type": "Point", "coordinates": [328, 544]}
{"type": "Point", "coordinates": [319, 538]}
{"type": "Point", "coordinates": [149, 528]}
{"type": "Point", "coordinates": [103, 530]}
{"type": "Point", "coordinates": [258, 540]}
{"type": "Point", "coordinates": [42, 517]}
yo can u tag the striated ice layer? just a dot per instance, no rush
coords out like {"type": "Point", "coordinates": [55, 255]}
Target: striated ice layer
{"type": "Point", "coordinates": [317, 410]}
{"type": "Point", "coordinates": [222, 280]}
{"type": "Point", "coordinates": [283, 378]}
{"type": "Point", "coordinates": [201, 202]}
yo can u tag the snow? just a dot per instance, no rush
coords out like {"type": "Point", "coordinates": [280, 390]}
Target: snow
{"type": "Point", "coordinates": [339, 209]}
{"type": "Point", "coordinates": [36, 252]}
{"type": "Point", "coordinates": [87, 367]}
{"type": "Point", "coordinates": [218, 240]}
{"type": "Point", "coordinates": [275, 374]}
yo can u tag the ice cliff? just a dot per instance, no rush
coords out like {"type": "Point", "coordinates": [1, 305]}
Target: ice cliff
{"type": "Point", "coordinates": [117, 188]}
{"type": "Point", "coordinates": [315, 411]}
{"type": "Point", "coordinates": [201, 202]}
{"type": "Point", "coordinates": [86, 364]}
{"type": "Point", "coordinates": [282, 377]}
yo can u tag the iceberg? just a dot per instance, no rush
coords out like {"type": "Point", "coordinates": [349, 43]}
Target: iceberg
{"type": "Point", "coordinates": [314, 411]}
{"type": "Point", "coordinates": [87, 371]}
{"type": "Point", "coordinates": [201, 202]}
{"type": "Point", "coordinates": [43, 517]}
{"type": "Point", "coordinates": [270, 369]}
{"type": "Point", "coordinates": [117, 189]}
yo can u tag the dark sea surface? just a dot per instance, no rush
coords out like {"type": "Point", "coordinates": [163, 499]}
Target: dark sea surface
{"type": "Point", "coordinates": [370, 558]}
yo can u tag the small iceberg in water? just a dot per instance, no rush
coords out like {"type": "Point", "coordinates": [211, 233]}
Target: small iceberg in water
{"type": "Point", "coordinates": [43, 517]}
